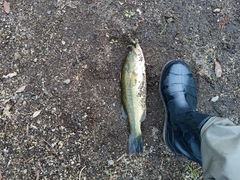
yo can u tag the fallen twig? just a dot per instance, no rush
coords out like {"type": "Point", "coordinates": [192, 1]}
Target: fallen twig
{"type": "Point", "coordinates": [164, 29]}
{"type": "Point", "coordinates": [1, 176]}
{"type": "Point", "coordinates": [27, 130]}
{"type": "Point", "coordinates": [120, 157]}
{"type": "Point", "coordinates": [80, 174]}
{"type": "Point", "coordinates": [37, 174]}
{"type": "Point", "coordinates": [224, 21]}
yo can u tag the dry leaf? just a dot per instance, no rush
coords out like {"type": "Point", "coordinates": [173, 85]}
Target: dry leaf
{"type": "Point", "coordinates": [200, 72]}
{"type": "Point", "coordinates": [218, 69]}
{"type": "Point", "coordinates": [21, 89]}
{"type": "Point", "coordinates": [6, 111]}
{"type": "Point", "coordinates": [6, 7]}
{"type": "Point", "coordinates": [36, 113]}
{"type": "Point", "coordinates": [10, 75]}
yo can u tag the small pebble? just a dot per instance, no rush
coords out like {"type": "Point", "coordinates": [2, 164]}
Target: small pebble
{"type": "Point", "coordinates": [214, 99]}
{"type": "Point", "coordinates": [6, 150]}
{"type": "Point", "coordinates": [110, 162]}
{"type": "Point", "coordinates": [17, 55]}
{"type": "Point", "coordinates": [139, 11]}
{"type": "Point", "coordinates": [217, 10]}
{"type": "Point", "coordinates": [67, 81]}
{"type": "Point", "coordinates": [63, 42]}
{"type": "Point", "coordinates": [24, 103]}
{"type": "Point", "coordinates": [25, 171]}
{"type": "Point", "coordinates": [49, 12]}
{"type": "Point", "coordinates": [3, 92]}
{"type": "Point", "coordinates": [169, 20]}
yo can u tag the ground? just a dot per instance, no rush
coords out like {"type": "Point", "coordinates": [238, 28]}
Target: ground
{"type": "Point", "coordinates": [60, 94]}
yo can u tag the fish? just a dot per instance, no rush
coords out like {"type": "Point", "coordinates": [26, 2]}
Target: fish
{"type": "Point", "coordinates": [133, 89]}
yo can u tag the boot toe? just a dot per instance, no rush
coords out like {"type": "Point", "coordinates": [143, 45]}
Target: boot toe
{"type": "Point", "coordinates": [178, 87]}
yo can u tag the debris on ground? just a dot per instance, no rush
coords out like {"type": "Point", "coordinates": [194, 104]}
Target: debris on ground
{"type": "Point", "coordinates": [214, 99]}
{"type": "Point", "coordinates": [218, 69]}
{"type": "Point", "coordinates": [6, 6]}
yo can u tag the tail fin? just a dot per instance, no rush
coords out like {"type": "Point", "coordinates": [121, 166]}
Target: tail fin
{"type": "Point", "coordinates": [135, 144]}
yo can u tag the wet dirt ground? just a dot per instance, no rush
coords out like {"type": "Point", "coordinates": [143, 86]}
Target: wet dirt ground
{"type": "Point", "coordinates": [60, 95]}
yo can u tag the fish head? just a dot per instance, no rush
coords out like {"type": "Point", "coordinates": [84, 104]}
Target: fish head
{"type": "Point", "coordinates": [135, 58]}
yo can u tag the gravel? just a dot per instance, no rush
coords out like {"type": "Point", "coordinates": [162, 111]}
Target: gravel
{"type": "Point", "coordinates": [64, 54]}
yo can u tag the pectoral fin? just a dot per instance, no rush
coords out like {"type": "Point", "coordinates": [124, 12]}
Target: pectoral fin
{"type": "Point", "coordinates": [123, 115]}
{"type": "Point", "coordinates": [143, 116]}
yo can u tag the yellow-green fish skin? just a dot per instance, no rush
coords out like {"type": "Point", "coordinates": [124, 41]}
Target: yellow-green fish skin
{"type": "Point", "coordinates": [133, 83]}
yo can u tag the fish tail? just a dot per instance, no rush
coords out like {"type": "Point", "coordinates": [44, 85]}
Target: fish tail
{"type": "Point", "coordinates": [135, 144]}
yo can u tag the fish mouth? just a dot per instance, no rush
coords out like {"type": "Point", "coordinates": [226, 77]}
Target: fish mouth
{"type": "Point", "coordinates": [135, 47]}
{"type": "Point", "coordinates": [133, 43]}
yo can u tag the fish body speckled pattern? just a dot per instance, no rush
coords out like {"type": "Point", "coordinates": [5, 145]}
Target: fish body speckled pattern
{"type": "Point", "coordinates": [133, 81]}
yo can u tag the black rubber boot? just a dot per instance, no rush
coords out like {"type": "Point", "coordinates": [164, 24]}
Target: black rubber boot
{"type": "Point", "coordinates": [183, 123]}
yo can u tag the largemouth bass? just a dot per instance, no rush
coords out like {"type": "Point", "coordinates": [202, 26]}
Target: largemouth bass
{"type": "Point", "coordinates": [133, 81]}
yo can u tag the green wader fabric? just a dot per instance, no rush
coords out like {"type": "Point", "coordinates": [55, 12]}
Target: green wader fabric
{"type": "Point", "coordinates": [220, 149]}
